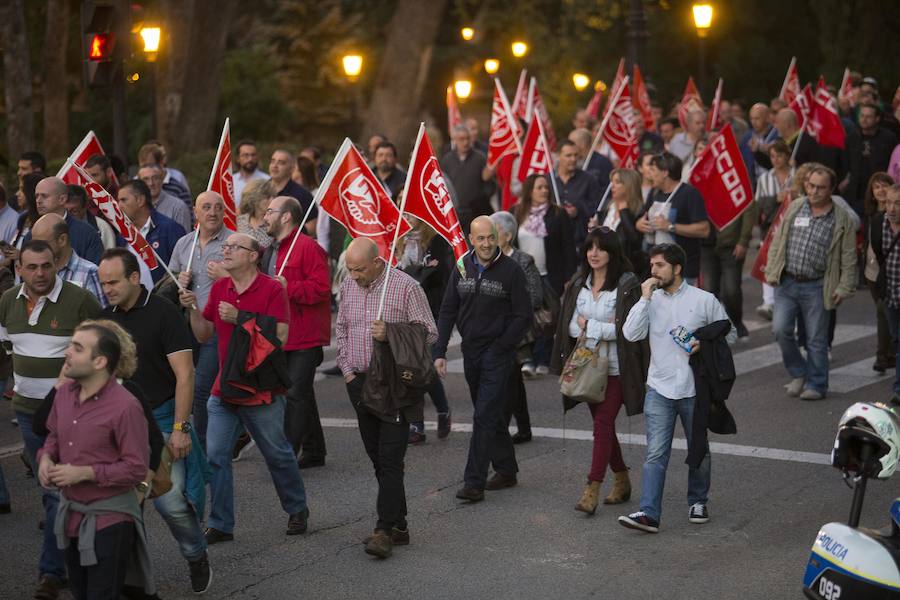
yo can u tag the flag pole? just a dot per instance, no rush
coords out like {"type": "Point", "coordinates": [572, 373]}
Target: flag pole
{"type": "Point", "coordinates": [549, 159]}
{"type": "Point", "coordinates": [797, 143]}
{"type": "Point", "coordinates": [612, 104]}
{"type": "Point", "coordinates": [296, 235]}
{"type": "Point", "coordinates": [604, 197]}
{"type": "Point", "coordinates": [787, 76]}
{"type": "Point", "coordinates": [513, 125]}
{"type": "Point", "coordinates": [212, 176]}
{"type": "Point", "coordinates": [399, 220]}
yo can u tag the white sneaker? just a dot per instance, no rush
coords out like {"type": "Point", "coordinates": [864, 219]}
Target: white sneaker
{"type": "Point", "coordinates": [765, 311]}
{"type": "Point", "coordinates": [794, 387]}
{"type": "Point", "coordinates": [528, 370]}
{"type": "Point", "coordinates": [542, 370]}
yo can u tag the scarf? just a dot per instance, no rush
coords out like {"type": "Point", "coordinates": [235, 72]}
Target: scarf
{"type": "Point", "coordinates": [534, 222]}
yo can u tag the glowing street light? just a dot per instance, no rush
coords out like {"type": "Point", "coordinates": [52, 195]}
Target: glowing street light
{"type": "Point", "coordinates": [703, 16]}
{"type": "Point", "coordinates": [467, 33]}
{"type": "Point", "coordinates": [519, 49]}
{"type": "Point", "coordinates": [463, 88]}
{"type": "Point", "coordinates": [581, 81]}
{"type": "Point", "coordinates": [151, 37]}
{"type": "Point", "coordinates": [491, 65]}
{"type": "Point", "coordinates": [352, 65]}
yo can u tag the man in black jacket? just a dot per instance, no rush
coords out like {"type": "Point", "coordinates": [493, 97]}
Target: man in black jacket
{"type": "Point", "coordinates": [491, 308]}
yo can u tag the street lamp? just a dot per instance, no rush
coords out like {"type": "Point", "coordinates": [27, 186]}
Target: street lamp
{"type": "Point", "coordinates": [151, 36]}
{"type": "Point", "coordinates": [491, 65]}
{"type": "Point", "coordinates": [463, 88]}
{"type": "Point", "coordinates": [519, 49]}
{"type": "Point", "coordinates": [352, 65]}
{"type": "Point", "coordinates": [467, 33]}
{"type": "Point", "coordinates": [581, 81]}
{"type": "Point", "coordinates": [703, 16]}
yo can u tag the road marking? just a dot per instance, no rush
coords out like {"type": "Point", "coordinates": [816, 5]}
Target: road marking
{"type": "Point", "coordinates": [635, 440]}
{"type": "Point", "coordinates": [855, 375]}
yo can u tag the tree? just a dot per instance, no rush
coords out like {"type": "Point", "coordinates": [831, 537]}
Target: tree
{"type": "Point", "coordinates": [53, 85]}
{"type": "Point", "coordinates": [16, 78]}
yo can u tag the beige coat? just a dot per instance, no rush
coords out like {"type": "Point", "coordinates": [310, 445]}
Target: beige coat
{"type": "Point", "coordinates": [840, 268]}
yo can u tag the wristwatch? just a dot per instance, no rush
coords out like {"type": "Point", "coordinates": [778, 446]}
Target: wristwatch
{"type": "Point", "coordinates": [142, 487]}
{"type": "Point", "coordinates": [183, 426]}
{"type": "Point", "coordinates": [671, 227]}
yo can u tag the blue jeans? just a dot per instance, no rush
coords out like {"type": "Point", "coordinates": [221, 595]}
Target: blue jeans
{"type": "Point", "coordinates": [439, 398]}
{"type": "Point", "coordinates": [206, 368]}
{"type": "Point", "coordinates": [4, 493]}
{"type": "Point", "coordinates": [792, 298]}
{"type": "Point", "coordinates": [659, 416]}
{"type": "Point", "coordinates": [53, 560]}
{"type": "Point", "coordinates": [893, 319]}
{"type": "Point", "coordinates": [265, 423]}
{"type": "Point", "coordinates": [179, 515]}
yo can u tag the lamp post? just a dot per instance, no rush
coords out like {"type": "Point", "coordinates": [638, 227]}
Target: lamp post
{"type": "Point", "coordinates": [352, 64]}
{"type": "Point", "coordinates": [463, 89]}
{"type": "Point", "coordinates": [637, 33]}
{"type": "Point", "coordinates": [580, 81]}
{"type": "Point", "coordinates": [703, 16]}
{"type": "Point", "coordinates": [491, 66]}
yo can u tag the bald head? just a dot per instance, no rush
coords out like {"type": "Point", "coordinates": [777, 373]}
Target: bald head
{"type": "Point", "coordinates": [582, 139]}
{"type": "Point", "coordinates": [759, 117]}
{"type": "Point", "coordinates": [209, 211]}
{"type": "Point", "coordinates": [484, 238]}
{"type": "Point", "coordinates": [362, 262]}
{"type": "Point", "coordinates": [362, 248]}
{"type": "Point", "coordinates": [50, 196]}
{"type": "Point", "coordinates": [786, 122]}
{"type": "Point", "coordinates": [52, 228]}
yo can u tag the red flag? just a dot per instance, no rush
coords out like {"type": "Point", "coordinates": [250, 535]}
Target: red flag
{"type": "Point", "coordinates": [454, 117]}
{"type": "Point", "coordinates": [721, 178]}
{"type": "Point", "coordinates": [427, 197]}
{"type": "Point", "coordinates": [110, 210]}
{"type": "Point", "coordinates": [519, 106]}
{"type": "Point", "coordinates": [536, 106]}
{"type": "Point", "coordinates": [503, 138]}
{"type": "Point", "coordinates": [825, 118]}
{"type": "Point", "coordinates": [353, 196]}
{"type": "Point", "coordinates": [802, 106]}
{"type": "Point", "coordinates": [88, 147]}
{"type": "Point", "coordinates": [846, 92]}
{"type": "Point", "coordinates": [790, 89]}
{"type": "Point", "coordinates": [593, 107]}
{"type": "Point", "coordinates": [535, 156]}
{"type": "Point", "coordinates": [617, 81]}
{"type": "Point", "coordinates": [758, 271]}
{"type": "Point", "coordinates": [714, 121]}
{"type": "Point", "coordinates": [642, 99]}
{"type": "Point", "coordinates": [221, 179]}
{"type": "Point", "coordinates": [620, 132]}
{"type": "Point", "coordinates": [689, 101]}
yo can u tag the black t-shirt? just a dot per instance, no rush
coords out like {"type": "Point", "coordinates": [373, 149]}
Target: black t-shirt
{"type": "Point", "coordinates": [303, 195]}
{"type": "Point", "coordinates": [688, 206]}
{"type": "Point", "coordinates": [158, 329]}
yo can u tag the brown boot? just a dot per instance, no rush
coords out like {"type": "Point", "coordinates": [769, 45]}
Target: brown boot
{"type": "Point", "coordinates": [621, 490]}
{"type": "Point", "coordinates": [589, 498]}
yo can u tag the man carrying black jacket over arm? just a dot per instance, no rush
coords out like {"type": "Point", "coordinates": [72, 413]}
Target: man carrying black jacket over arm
{"type": "Point", "coordinates": [491, 308]}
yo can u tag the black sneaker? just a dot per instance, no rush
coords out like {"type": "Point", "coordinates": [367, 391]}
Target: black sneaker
{"type": "Point", "coordinates": [298, 522]}
{"type": "Point", "coordinates": [214, 536]}
{"type": "Point", "coordinates": [244, 443]}
{"type": "Point", "coordinates": [640, 521]}
{"type": "Point", "coordinates": [201, 574]}
{"type": "Point", "coordinates": [444, 422]}
{"type": "Point", "coordinates": [698, 513]}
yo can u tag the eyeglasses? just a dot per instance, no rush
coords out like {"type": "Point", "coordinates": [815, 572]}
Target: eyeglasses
{"type": "Point", "coordinates": [230, 247]}
{"type": "Point", "coordinates": [274, 210]}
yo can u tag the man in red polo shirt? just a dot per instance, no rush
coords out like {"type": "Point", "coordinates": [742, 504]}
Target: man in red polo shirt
{"type": "Point", "coordinates": [301, 265]}
{"type": "Point", "coordinates": [245, 289]}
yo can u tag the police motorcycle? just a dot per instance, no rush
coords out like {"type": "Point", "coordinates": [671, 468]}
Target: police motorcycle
{"type": "Point", "coordinates": [849, 562]}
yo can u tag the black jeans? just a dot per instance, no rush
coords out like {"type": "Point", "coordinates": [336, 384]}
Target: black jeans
{"type": "Point", "coordinates": [517, 401]}
{"type": "Point", "coordinates": [385, 444]}
{"type": "Point", "coordinates": [104, 580]}
{"type": "Point", "coordinates": [302, 425]}
{"type": "Point", "coordinates": [722, 278]}
{"type": "Point", "coordinates": [487, 373]}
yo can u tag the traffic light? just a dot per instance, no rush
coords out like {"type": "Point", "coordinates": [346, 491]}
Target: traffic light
{"type": "Point", "coordinates": [100, 20]}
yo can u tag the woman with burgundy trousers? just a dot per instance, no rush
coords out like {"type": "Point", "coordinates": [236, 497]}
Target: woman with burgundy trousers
{"type": "Point", "coordinates": [596, 302]}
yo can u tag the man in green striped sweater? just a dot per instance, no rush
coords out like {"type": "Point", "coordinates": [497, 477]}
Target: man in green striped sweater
{"type": "Point", "coordinates": [37, 319]}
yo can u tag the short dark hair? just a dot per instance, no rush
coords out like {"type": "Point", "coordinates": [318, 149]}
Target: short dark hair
{"type": "Point", "coordinates": [36, 159]}
{"type": "Point", "coordinates": [316, 151]}
{"type": "Point", "coordinates": [780, 147]}
{"type": "Point", "coordinates": [76, 191]}
{"type": "Point", "coordinates": [129, 260]}
{"type": "Point", "coordinates": [823, 170]}
{"type": "Point", "coordinates": [107, 344]}
{"type": "Point", "coordinates": [604, 238]}
{"type": "Point", "coordinates": [244, 142]}
{"type": "Point", "coordinates": [872, 106]}
{"type": "Point", "coordinates": [139, 187]}
{"type": "Point", "coordinates": [668, 162]}
{"type": "Point", "coordinates": [97, 160]}
{"type": "Point", "coordinates": [670, 121]}
{"type": "Point", "coordinates": [567, 142]}
{"type": "Point", "coordinates": [36, 246]}
{"type": "Point", "coordinates": [671, 253]}
{"type": "Point", "coordinates": [386, 144]}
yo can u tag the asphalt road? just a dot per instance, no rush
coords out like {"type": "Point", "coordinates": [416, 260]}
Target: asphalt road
{"type": "Point", "coordinates": [771, 490]}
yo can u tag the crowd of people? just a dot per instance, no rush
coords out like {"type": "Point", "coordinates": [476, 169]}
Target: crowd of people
{"type": "Point", "coordinates": [129, 385]}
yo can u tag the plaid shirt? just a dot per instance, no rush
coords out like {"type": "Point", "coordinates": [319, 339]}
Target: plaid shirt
{"type": "Point", "coordinates": [807, 245]}
{"type": "Point", "coordinates": [891, 265]}
{"type": "Point", "coordinates": [405, 302]}
{"type": "Point", "coordinates": [83, 273]}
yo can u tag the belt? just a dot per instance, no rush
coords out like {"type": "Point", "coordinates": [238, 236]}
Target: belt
{"type": "Point", "coordinates": [801, 278]}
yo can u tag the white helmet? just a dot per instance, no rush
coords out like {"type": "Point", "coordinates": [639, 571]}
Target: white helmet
{"type": "Point", "coordinates": [872, 424]}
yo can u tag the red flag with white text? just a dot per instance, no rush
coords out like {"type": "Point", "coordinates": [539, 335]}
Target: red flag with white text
{"type": "Point", "coordinates": [721, 178]}
{"type": "Point", "coordinates": [109, 208]}
{"type": "Point", "coordinates": [220, 178]}
{"type": "Point", "coordinates": [847, 92]}
{"type": "Point", "coordinates": [790, 89]}
{"type": "Point", "coordinates": [519, 106]}
{"type": "Point", "coordinates": [88, 147]}
{"type": "Point", "coordinates": [642, 99]}
{"type": "Point", "coordinates": [427, 196]}
{"type": "Point", "coordinates": [352, 195]}
{"type": "Point", "coordinates": [714, 120]}
{"type": "Point", "coordinates": [454, 117]}
{"type": "Point", "coordinates": [617, 81]}
{"type": "Point", "coordinates": [825, 118]}
{"type": "Point", "coordinates": [503, 138]}
{"type": "Point", "coordinates": [802, 105]}
{"type": "Point", "coordinates": [535, 153]}
{"type": "Point", "coordinates": [690, 100]}
{"type": "Point", "coordinates": [536, 106]}
{"type": "Point", "coordinates": [620, 132]}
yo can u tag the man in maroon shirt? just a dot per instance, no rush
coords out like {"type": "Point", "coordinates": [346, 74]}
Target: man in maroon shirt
{"type": "Point", "coordinates": [97, 452]}
{"type": "Point", "coordinates": [245, 289]}
{"type": "Point", "coordinates": [301, 265]}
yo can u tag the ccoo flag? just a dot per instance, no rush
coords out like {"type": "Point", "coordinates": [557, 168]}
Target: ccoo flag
{"type": "Point", "coordinates": [536, 106]}
{"type": "Point", "coordinates": [825, 119]}
{"type": "Point", "coordinates": [427, 196]}
{"type": "Point", "coordinates": [620, 132]}
{"type": "Point", "coordinates": [721, 178]}
{"type": "Point", "coordinates": [790, 89]}
{"type": "Point", "coordinates": [714, 120]}
{"type": "Point", "coordinates": [535, 156]}
{"type": "Point", "coordinates": [504, 137]}
{"type": "Point", "coordinates": [88, 147]}
{"type": "Point", "coordinates": [221, 180]}
{"type": "Point", "coordinates": [353, 196]}
{"type": "Point", "coordinates": [642, 99]}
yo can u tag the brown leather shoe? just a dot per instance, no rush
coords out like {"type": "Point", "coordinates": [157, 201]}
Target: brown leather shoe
{"type": "Point", "coordinates": [500, 481]}
{"type": "Point", "coordinates": [400, 537]}
{"type": "Point", "coordinates": [380, 544]}
{"type": "Point", "coordinates": [48, 588]}
{"type": "Point", "coordinates": [621, 490]}
{"type": "Point", "coordinates": [589, 498]}
{"type": "Point", "coordinates": [470, 494]}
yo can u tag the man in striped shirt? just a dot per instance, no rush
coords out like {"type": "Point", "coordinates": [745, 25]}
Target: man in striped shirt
{"type": "Point", "coordinates": [37, 320]}
{"type": "Point", "coordinates": [358, 323]}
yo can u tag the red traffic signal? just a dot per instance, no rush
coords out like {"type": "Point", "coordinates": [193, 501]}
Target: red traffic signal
{"type": "Point", "coordinates": [100, 47]}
